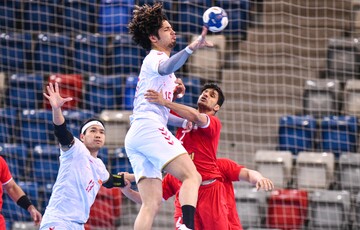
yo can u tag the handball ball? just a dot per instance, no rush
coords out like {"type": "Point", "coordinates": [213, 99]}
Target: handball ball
{"type": "Point", "coordinates": [215, 19]}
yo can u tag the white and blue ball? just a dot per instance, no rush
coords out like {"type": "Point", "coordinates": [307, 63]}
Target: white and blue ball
{"type": "Point", "coordinates": [215, 19]}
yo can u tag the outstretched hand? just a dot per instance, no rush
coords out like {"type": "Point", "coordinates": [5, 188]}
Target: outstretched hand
{"type": "Point", "coordinates": [53, 95]}
{"type": "Point", "coordinates": [201, 41]}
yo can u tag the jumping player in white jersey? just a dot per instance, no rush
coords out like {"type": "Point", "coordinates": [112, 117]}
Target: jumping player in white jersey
{"type": "Point", "coordinates": [81, 173]}
{"type": "Point", "coordinates": [150, 146]}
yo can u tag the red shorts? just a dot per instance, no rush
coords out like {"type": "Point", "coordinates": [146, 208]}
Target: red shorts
{"type": "Point", "coordinates": [211, 210]}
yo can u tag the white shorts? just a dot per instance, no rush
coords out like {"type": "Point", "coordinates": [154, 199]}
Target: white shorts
{"type": "Point", "coordinates": [63, 225]}
{"type": "Point", "coordinates": [150, 146]}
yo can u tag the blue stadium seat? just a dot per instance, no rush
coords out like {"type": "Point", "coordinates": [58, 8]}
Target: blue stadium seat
{"type": "Point", "coordinates": [36, 127]}
{"type": "Point", "coordinates": [15, 156]}
{"type": "Point", "coordinates": [15, 51]}
{"type": "Point", "coordinates": [103, 92]}
{"type": "Point", "coordinates": [90, 52]}
{"type": "Point", "coordinates": [120, 162]}
{"type": "Point", "coordinates": [125, 56]}
{"type": "Point", "coordinates": [51, 52]}
{"type": "Point", "coordinates": [74, 119]}
{"type": "Point", "coordinates": [25, 91]}
{"type": "Point", "coordinates": [193, 88]}
{"type": "Point", "coordinates": [189, 17]}
{"type": "Point", "coordinates": [8, 124]}
{"type": "Point", "coordinates": [80, 16]}
{"type": "Point", "coordinates": [10, 15]}
{"type": "Point", "coordinates": [12, 211]}
{"type": "Point", "coordinates": [103, 154]}
{"type": "Point", "coordinates": [181, 43]}
{"type": "Point", "coordinates": [297, 133]}
{"type": "Point", "coordinates": [46, 163]}
{"type": "Point", "coordinates": [238, 15]}
{"type": "Point", "coordinates": [339, 134]}
{"type": "Point", "coordinates": [130, 88]}
{"type": "Point", "coordinates": [44, 196]}
{"type": "Point", "coordinates": [40, 15]}
{"type": "Point", "coordinates": [114, 16]}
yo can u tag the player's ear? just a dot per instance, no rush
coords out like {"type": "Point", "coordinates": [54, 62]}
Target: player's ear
{"type": "Point", "coordinates": [216, 108]}
{"type": "Point", "coordinates": [153, 38]}
{"type": "Point", "coordinates": [82, 137]}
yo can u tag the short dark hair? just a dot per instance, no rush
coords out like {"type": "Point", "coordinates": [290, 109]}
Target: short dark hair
{"type": "Point", "coordinates": [146, 21]}
{"type": "Point", "coordinates": [212, 85]}
{"type": "Point", "coordinates": [89, 120]}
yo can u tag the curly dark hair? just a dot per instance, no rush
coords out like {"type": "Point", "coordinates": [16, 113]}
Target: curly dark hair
{"type": "Point", "coordinates": [146, 21]}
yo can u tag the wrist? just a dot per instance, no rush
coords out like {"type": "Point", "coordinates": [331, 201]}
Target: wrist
{"type": "Point", "coordinates": [184, 124]}
{"type": "Point", "coordinates": [188, 50]}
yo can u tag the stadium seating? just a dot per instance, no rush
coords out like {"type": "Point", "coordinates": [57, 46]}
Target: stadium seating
{"type": "Point", "coordinates": [343, 58]}
{"type": "Point", "coordinates": [16, 156]}
{"type": "Point", "coordinates": [276, 165]}
{"type": "Point", "coordinates": [193, 87]}
{"type": "Point", "coordinates": [322, 97]}
{"type": "Point", "coordinates": [251, 206]}
{"type": "Point", "coordinates": [44, 195]}
{"type": "Point", "coordinates": [103, 154]}
{"type": "Point", "coordinates": [12, 211]}
{"type": "Point", "coordinates": [90, 52]}
{"type": "Point", "coordinates": [349, 171]}
{"type": "Point", "coordinates": [189, 16]}
{"type": "Point", "coordinates": [36, 127]}
{"type": "Point", "coordinates": [329, 209]}
{"type": "Point", "coordinates": [46, 163]}
{"type": "Point", "coordinates": [74, 119]}
{"type": "Point", "coordinates": [120, 162]}
{"type": "Point", "coordinates": [352, 98]}
{"type": "Point", "coordinates": [238, 16]}
{"type": "Point", "coordinates": [106, 210]}
{"type": "Point", "coordinates": [40, 15]}
{"type": "Point", "coordinates": [125, 56]}
{"type": "Point", "coordinates": [339, 134]}
{"type": "Point", "coordinates": [24, 91]}
{"type": "Point", "coordinates": [51, 53]}
{"type": "Point", "coordinates": [10, 15]}
{"type": "Point", "coordinates": [71, 85]}
{"type": "Point", "coordinates": [15, 51]}
{"type": "Point", "coordinates": [8, 124]}
{"type": "Point", "coordinates": [314, 170]}
{"type": "Point", "coordinates": [103, 92]}
{"type": "Point", "coordinates": [79, 16]}
{"type": "Point", "coordinates": [357, 211]}
{"type": "Point", "coordinates": [114, 16]}
{"type": "Point", "coordinates": [130, 89]}
{"type": "Point", "coordinates": [117, 124]}
{"type": "Point", "coordinates": [297, 133]}
{"type": "Point", "coordinates": [287, 209]}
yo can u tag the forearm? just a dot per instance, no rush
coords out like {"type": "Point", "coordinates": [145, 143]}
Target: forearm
{"type": "Point", "coordinates": [174, 63]}
{"type": "Point", "coordinates": [187, 112]}
{"type": "Point", "coordinates": [254, 176]}
{"type": "Point", "coordinates": [132, 195]}
{"type": "Point", "coordinates": [58, 117]}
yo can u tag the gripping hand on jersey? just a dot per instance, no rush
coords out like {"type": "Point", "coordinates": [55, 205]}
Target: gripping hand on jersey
{"type": "Point", "coordinates": [155, 97]}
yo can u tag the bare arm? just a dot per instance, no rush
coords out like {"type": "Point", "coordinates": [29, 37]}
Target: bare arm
{"type": "Point", "coordinates": [184, 111]}
{"type": "Point", "coordinates": [256, 178]}
{"type": "Point", "coordinates": [15, 193]}
{"type": "Point", "coordinates": [130, 193]}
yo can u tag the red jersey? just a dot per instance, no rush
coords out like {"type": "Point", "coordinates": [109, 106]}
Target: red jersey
{"type": "Point", "coordinates": [202, 143]}
{"type": "Point", "coordinates": [230, 171]}
{"type": "Point", "coordinates": [5, 177]}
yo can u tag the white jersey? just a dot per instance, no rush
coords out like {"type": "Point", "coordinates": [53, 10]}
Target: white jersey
{"type": "Point", "coordinates": [149, 78]}
{"type": "Point", "coordinates": [79, 179]}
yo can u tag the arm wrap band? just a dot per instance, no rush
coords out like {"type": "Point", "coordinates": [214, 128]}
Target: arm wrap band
{"type": "Point", "coordinates": [63, 135]}
{"type": "Point", "coordinates": [115, 181]}
{"type": "Point", "coordinates": [24, 202]}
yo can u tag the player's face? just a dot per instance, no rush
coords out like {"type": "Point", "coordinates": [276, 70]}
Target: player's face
{"type": "Point", "coordinates": [167, 36]}
{"type": "Point", "coordinates": [208, 100]}
{"type": "Point", "coordinates": [94, 137]}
